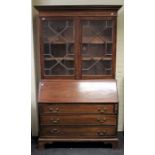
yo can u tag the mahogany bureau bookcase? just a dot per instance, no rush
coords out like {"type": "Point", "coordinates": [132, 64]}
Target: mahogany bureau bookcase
{"type": "Point", "coordinates": [77, 97]}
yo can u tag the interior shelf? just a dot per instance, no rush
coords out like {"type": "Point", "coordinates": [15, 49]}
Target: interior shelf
{"type": "Point", "coordinates": [97, 40]}
{"type": "Point", "coordinates": [96, 58]}
{"type": "Point", "coordinates": [83, 58]}
{"type": "Point", "coordinates": [59, 58]}
{"type": "Point", "coordinates": [84, 42]}
{"type": "Point", "coordinates": [58, 42]}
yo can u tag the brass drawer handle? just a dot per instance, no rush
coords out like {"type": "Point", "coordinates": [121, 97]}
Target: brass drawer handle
{"type": "Point", "coordinates": [54, 131]}
{"type": "Point", "coordinates": [101, 120]}
{"type": "Point", "coordinates": [102, 110]}
{"type": "Point", "coordinates": [55, 121]}
{"type": "Point", "coordinates": [43, 18]}
{"type": "Point", "coordinates": [54, 110]}
{"type": "Point", "coordinates": [50, 109]}
{"type": "Point", "coordinates": [103, 133]}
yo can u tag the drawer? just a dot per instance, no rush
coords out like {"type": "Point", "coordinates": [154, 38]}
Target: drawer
{"type": "Point", "coordinates": [76, 108]}
{"type": "Point", "coordinates": [79, 120]}
{"type": "Point", "coordinates": [77, 132]}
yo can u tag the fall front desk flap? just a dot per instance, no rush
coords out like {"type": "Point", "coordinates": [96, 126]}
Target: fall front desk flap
{"type": "Point", "coordinates": [86, 91]}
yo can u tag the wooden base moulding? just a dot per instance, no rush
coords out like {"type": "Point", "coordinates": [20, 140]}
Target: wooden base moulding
{"type": "Point", "coordinates": [113, 141]}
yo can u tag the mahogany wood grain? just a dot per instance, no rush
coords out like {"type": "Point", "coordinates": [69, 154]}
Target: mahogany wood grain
{"type": "Point", "coordinates": [88, 77]}
{"type": "Point", "coordinates": [77, 91]}
{"type": "Point", "coordinates": [109, 139]}
{"type": "Point", "coordinates": [58, 77]}
{"type": "Point", "coordinates": [77, 131]}
{"type": "Point", "coordinates": [80, 120]}
{"type": "Point", "coordinates": [72, 109]}
{"type": "Point", "coordinates": [41, 56]}
{"type": "Point", "coordinates": [77, 7]}
{"type": "Point", "coordinates": [68, 108]}
{"type": "Point", "coordinates": [77, 13]}
{"type": "Point", "coordinates": [114, 47]}
{"type": "Point", "coordinates": [77, 48]}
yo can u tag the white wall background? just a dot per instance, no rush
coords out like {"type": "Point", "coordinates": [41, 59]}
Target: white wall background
{"type": "Point", "coordinates": [119, 59]}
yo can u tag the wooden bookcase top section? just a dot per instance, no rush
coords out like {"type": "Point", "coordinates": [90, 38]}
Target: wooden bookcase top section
{"type": "Point", "coordinates": [77, 7]}
{"type": "Point", "coordinates": [78, 91]}
{"type": "Point", "coordinates": [77, 42]}
{"type": "Point", "coordinates": [81, 10]}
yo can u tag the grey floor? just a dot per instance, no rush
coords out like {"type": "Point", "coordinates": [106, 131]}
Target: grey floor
{"type": "Point", "coordinates": [78, 148]}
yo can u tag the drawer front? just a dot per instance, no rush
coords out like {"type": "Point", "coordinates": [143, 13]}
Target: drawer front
{"type": "Point", "coordinates": [79, 120]}
{"type": "Point", "coordinates": [76, 108]}
{"type": "Point", "coordinates": [77, 132]}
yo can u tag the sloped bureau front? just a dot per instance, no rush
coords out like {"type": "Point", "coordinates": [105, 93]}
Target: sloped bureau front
{"type": "Point", "coordinates": [81, 110]}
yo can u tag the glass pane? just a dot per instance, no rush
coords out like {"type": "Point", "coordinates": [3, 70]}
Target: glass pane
{"type": "Point", "coordinates": [96, 67]}
{"type": "Point", "coordinates": [97, 47]}
{"type": "Point", "coordinates": [58, 39]}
